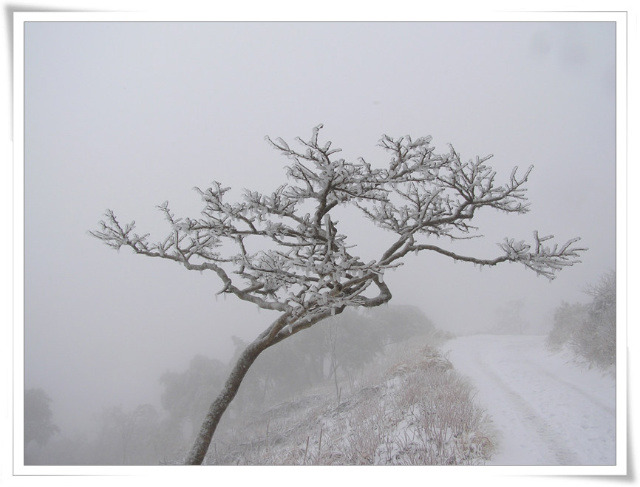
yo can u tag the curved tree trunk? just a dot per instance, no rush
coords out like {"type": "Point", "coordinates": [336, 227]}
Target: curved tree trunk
{"type": "Point", "coordinates": [219, 406]}
{"type": "Point", "coordinates": [272, 335]}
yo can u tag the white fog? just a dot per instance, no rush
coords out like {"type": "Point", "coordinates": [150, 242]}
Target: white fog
{"type": "Point", "coordinates": [130, 350]}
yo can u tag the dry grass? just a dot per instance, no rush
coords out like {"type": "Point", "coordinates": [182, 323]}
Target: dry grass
{"type": "Point", "coordinates": [414, 409]}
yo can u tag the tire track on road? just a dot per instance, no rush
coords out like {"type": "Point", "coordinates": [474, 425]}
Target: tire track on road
{"type": "Point", "coordinates": [571, 386]}
{"type": "Point", "coordinates": [546, 434]}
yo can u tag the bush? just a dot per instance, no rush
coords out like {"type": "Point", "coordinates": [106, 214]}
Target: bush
{"type": "Point", "coordinates": [567, 321]}
{"type": "Point", "coordinates": [589, 330]}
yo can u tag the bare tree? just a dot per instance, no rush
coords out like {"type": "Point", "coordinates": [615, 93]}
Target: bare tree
{"type": "Point", "coordinates": [283, 251]}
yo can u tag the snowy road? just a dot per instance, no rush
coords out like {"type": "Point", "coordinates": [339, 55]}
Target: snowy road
{"type": "Point", "coordinates": [547, 410]}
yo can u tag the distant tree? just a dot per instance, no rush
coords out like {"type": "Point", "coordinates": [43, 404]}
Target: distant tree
{"type": "Point", "coordinates": [187, 395]}
{"type": "Point", "coordinates": [567, 320]}
{"type": "Point", "coordinates": [294, 365]}
{"type": "Point", "coordinates": [127, 438]}
{"type": "Point", "coordinates": [589, 330]}
{"type": "Point", "coordinates": [408, 321]}
{"type": "Point", "coordinates": [38, 425]}
{"type": "Point", "coordinates": [332, 342]}
{"type": "Point", "coordinates": [277, 375]}
{"type": "Point", "coordinates": [595, 339]}
{"type": "Point", "coordinates": [284, 251]}
{"type": "Point", "coordinates": [352, 339]}
{"type": "Point", "coordinates": [510, 319]}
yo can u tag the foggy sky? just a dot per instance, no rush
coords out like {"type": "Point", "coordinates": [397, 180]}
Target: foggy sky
{"type": "Point", "coordinates": [128, 115]}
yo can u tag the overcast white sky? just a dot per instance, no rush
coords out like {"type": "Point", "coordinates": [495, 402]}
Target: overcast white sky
{"type": "Point", "coordinates": [128, 115]}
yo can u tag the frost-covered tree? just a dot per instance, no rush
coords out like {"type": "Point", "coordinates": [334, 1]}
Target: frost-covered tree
{"type": "Point", "coordinates": [589, 329]}
{"type": "Point", "coordinates": [597, 342]}
{"type": "Point", "coordinates": [285, 252]}
{"type": "Point", "coordinates": [567, 322]}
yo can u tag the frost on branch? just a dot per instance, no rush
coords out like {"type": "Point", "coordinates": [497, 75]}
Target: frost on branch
{"type": "Point", "coordinates": [542, 259]}
{"type": "Point", "coordinates": [267, 250]}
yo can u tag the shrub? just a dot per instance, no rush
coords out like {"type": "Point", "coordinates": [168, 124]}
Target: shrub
{"type": "Point", "coordinates": [589, 330]}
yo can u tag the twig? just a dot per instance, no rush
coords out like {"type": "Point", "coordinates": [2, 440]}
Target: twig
{"type": "Point", "coordinates": [266, 440]}
{"type": "Point", "coordinates": [319, 447]}
{"type": "Point", "coordinates": [306, 450]}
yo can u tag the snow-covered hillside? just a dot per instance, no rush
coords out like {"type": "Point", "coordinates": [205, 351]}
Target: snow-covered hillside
{"type": "Point", "coordinates": [546, 409]}
{"type": "Point", "coordinates": [411, 408]}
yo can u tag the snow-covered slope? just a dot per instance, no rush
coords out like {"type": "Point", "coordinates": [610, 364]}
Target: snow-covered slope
{"type": "Point", "coordinates": [546, 409]}
{"type": "Point", "coordinates": [409, 408]}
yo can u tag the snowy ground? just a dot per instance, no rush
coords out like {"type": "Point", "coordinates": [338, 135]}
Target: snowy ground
{"type": "Point", "coordinates": [409, 408]}
{"type": "Point", "coordinates": [546, 409]}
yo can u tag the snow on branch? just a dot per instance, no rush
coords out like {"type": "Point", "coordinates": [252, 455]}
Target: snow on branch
{"type": "Point", "coordinates": [544, 260]}
{"type": "Point", "coordinates": [265, 249]}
